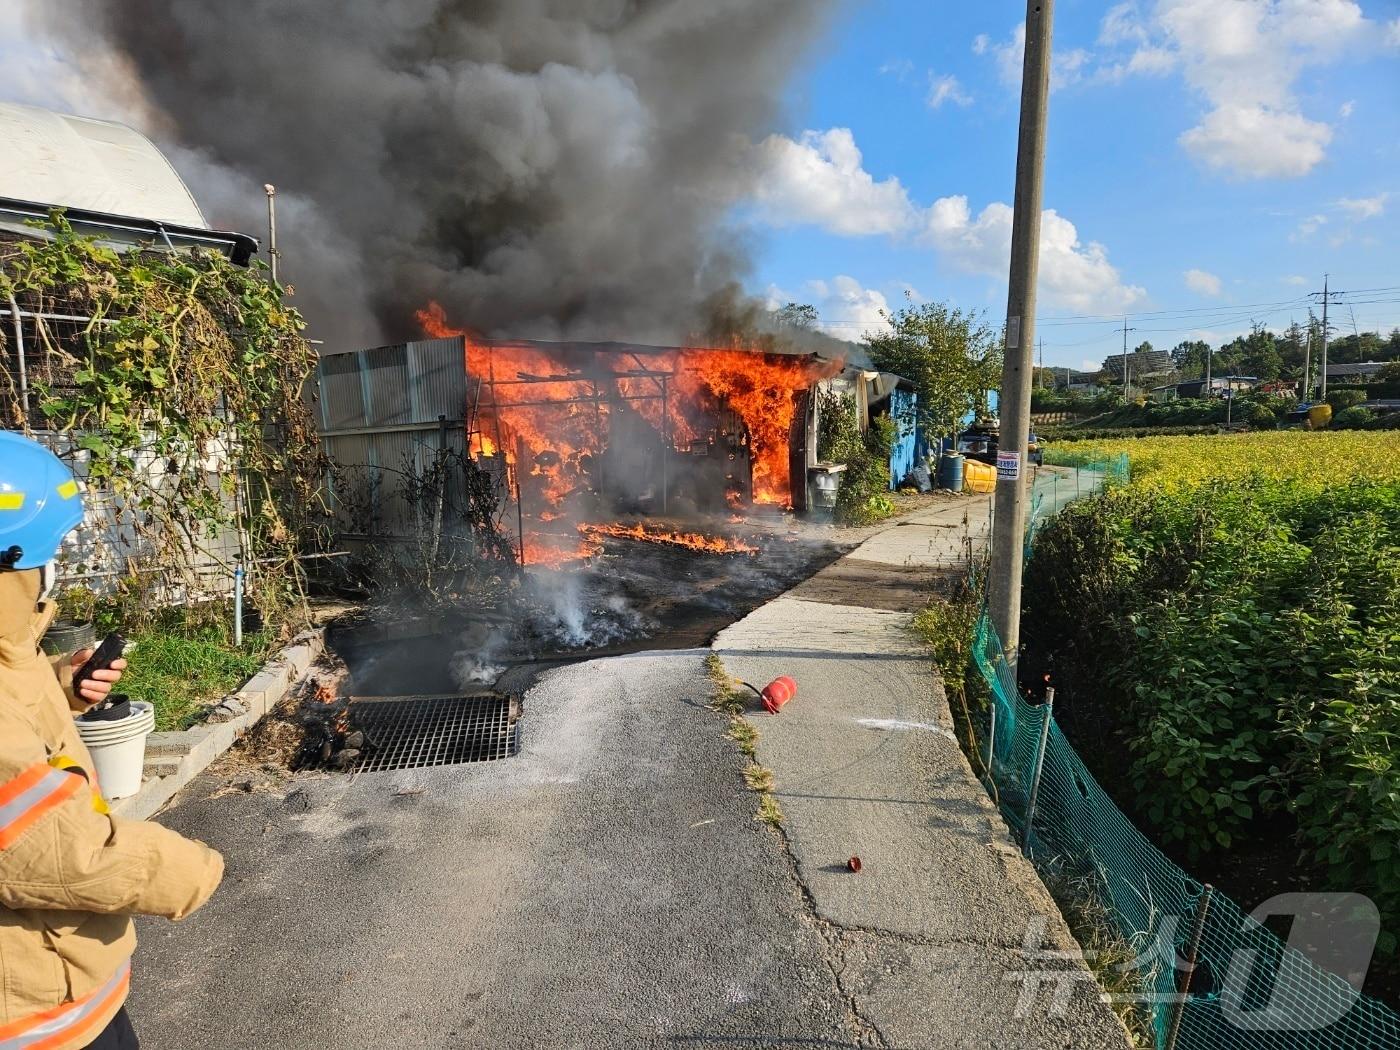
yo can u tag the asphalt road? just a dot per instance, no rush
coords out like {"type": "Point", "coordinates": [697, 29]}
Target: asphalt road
{"type": "Point", "coordinates": [609, 887]}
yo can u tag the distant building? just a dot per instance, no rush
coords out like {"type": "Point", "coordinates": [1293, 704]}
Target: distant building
{"type": "Point", "coordinates": [1164, 393]}
{"type": "Point", "coordinates": [1362, 372]}
{"type": "Point", "coordinates": [1220, 386]}
{"type": "Point", "coordinates": [1145, 365]}
{"type": "Point", "coordinates": [1075, 381]}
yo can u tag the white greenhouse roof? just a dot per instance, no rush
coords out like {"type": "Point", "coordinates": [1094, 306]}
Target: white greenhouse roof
{"type": "Point", "coordinates": [76, 162]}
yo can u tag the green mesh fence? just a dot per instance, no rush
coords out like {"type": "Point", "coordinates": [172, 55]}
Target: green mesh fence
{"type": "Point", "coordinates": [1249, 989]}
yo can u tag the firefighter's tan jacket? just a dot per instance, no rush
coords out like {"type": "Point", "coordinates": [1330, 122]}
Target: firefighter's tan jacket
{"type": "Point", "coordinates": [71, 876]}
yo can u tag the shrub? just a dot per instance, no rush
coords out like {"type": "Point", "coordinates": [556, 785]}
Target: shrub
{"type": "Point", "coordinates": [1353, 418]}
{"type": "Point", "coordinates": [1262, 418]}
{"type": "Point", "coordinates": [1231, 617]}
{"type": "Point", "coordinates": [863, 497]}
{"type": "Point", "coordinates": [1344, 399]}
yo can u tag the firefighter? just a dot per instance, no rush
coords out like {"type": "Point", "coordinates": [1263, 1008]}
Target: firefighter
{"type": "Point", "coordinates": [71, 874]}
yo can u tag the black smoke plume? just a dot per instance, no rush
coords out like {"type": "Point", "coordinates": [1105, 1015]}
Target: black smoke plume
{"type": "Point", "coordinates": [544, 168]}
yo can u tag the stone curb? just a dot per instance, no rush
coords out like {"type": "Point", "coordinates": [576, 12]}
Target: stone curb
{"type": "Point", "coordinates": [174, 759]}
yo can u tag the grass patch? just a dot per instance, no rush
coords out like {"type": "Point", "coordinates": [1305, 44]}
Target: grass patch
{"type": "Point", "coordinates": [946, 626]}
{"type": "Point", "coordinates": [726, 695]}
{"type": "Point", "coordinates": [727, 698]}
{"type": "Point", "coordinates": [745, 735]}
{"type": "Point", "coordinates": [180, 668]}
{"type": "Point", "coordinates": [758, 778]}
{"type": "Point", "coordinates": [769, 812]}
{"type": "Point", "coordinates": [1108, 956]}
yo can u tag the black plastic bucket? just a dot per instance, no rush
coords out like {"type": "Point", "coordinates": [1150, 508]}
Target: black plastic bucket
{"type": "Point", "coordinates": [68, 636]}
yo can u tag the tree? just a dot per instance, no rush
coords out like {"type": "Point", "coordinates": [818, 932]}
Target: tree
{"type": "Point", "coordinates": [1292, 348]}
{"type": "Point", "coordinates": [797, 315]}
{"type": "Point", "coordinates": [1189, 356]}
{"type": "Point", "coordinates": [952, 358]}
{"type": "Point", "coordinates": [1255, 354]}
{"type": "Point", "coordinates": [1143, 347]}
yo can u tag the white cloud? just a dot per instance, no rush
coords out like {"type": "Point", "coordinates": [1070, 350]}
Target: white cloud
{"type": "Point", "coordinates": [1309, 226]}
{"type": "Point", "coordinates": [1392, 33]}
{"type": "Point", "coordinates": [1242, 57]}
{"type": "Point", "coordinates": [1009, 55]}
{"type": "Point", "coordinates": [1152, 61]}
{"type": "Point", "coordinates": [1364, 207]}
{"type": "Point", "coordinates": [900, 68]}
{"type": "Point", "coordinates": [1072, 274]}
{"type": "Point", "coordinates": [1257, 141]}
{"type": "Point", "coordinates": [847, 309]}
{"type": "Point", "coordinates": [1123, 25]}
{"type": "Point", "coordinates": [1066, 67]}
{"type": "Point", "coordinates": [819, 181]}
{"type": "Point", "coordinates": [946, 88]}
{"type": "Point", "coordinates": [1069, 67]}
{"type": "Point", "coordinates": [1202, 282]}
{"type": "Point", "coordinates": [1296, 280]}
{"type": "Point", "coordinates": [1347, 108]}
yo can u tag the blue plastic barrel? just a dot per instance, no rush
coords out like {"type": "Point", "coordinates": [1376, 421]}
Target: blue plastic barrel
{"type": "Point", "coordinates": [950, 471]}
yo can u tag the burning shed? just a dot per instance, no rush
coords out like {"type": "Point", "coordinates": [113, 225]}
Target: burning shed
{"type": "Point", "coordinates": [579, 433]}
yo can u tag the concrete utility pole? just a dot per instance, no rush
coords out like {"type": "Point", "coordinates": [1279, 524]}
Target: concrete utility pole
{"type": "Point", "coordinates": [1126, 330]}
{"type": "Point", "coordinates": [1009, 521]}
{"type": "Point", "coordinates": [1307, 365]}
{"type": "Point", "coordinates": [1326, 298]}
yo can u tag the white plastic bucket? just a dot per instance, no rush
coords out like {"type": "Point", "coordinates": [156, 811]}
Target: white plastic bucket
{"type": "Point", "coordinates": [118, 749]}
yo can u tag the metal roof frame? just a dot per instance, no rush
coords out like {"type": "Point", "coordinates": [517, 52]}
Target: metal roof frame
{"type": "Point", "coordinates": [238, 247]}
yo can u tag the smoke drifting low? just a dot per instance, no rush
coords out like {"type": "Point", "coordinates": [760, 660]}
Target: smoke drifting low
{"type": "Point", "coordinates": [544, 168]}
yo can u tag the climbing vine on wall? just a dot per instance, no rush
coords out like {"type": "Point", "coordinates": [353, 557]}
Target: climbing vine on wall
{"type": "Point", "coordinates": [178, 377]}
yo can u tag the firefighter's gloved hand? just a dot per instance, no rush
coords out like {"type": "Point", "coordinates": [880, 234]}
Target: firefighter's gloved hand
{"type": "Point", "coordinates": [96, 688]}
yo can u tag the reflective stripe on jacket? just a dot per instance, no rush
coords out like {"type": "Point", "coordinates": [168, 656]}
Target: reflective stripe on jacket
{"type": "Point", "coordinates": [78, 1022]}
{"type": "Point", "coordinates": [30, 795]}
{"type": "Point", "coordinates": [71, 874]}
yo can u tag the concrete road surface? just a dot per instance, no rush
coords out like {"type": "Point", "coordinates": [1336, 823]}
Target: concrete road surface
{"type": "Point", "coordinates": [607, 888]}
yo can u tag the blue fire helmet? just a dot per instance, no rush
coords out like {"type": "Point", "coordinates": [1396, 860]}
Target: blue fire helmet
{"type": "Point", "coordinates": [39, 503]}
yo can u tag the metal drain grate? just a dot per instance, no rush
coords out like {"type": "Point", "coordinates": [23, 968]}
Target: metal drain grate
{"type": "Point", "coordinates": [418, 731]}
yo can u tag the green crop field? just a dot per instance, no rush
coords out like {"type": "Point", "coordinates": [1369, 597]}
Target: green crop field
{"type": "Point", "coordinates": [1307, 458]}
{"type": "Point", "coordinates": [1224, 631]}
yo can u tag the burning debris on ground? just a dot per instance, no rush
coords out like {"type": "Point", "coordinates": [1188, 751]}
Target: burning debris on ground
{"type": "Point", "coordinates": [584, 498]}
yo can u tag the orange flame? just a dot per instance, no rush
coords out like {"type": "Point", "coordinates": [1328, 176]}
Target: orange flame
{"type": "Point", "coordinates": [550, 551]}
{"type": "Point", "coordinates": [647, 534]}
{"type": "Point", "coordinates": [552, 421]}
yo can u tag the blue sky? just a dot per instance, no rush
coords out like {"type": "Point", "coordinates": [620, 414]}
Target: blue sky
{"type": "Point", "coordinates": [1208, 160]}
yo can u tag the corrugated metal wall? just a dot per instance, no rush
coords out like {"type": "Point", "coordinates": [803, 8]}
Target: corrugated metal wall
{"type": "Point", "coordinates": [384, 414]}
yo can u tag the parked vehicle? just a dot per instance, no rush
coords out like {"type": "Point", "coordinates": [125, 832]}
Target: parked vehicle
{"type": "Point", "coordinates": [980, 442]}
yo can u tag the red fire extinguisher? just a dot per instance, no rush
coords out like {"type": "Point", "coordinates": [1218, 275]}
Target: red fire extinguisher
{"type": "Point", "coordinates": [776, 693]}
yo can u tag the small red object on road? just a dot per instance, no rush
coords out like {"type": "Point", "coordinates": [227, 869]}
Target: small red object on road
{"type": "Point", "coordinates": [778, 692]}
{"type": "Point", "coordinates": [853, 865]}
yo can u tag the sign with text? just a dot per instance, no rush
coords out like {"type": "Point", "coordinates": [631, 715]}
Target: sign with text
{"type": "Point", "coordinates": [1008, 466]}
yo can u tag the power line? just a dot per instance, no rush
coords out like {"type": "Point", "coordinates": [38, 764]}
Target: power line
{"type": "Point", "coordinates": [1067, 320]}
{"type": "Point", "coordinates": [1326, 298]}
